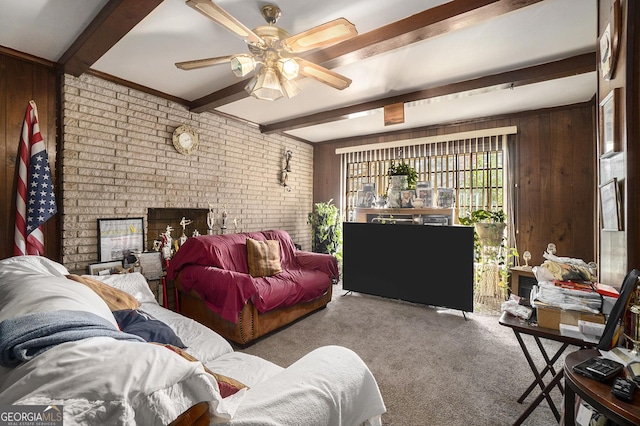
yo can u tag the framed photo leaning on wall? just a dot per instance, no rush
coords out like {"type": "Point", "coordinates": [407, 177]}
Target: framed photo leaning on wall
{"type": "Point", "coordinates": [105, 268]}
{"type": "Point", "coordinates": [117, 238]}
{"type": "Point", "coordinates": [610, 206]}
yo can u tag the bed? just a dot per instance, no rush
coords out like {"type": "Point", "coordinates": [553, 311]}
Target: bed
{"type": "Point", "coordinates": [218, 287]}
{"type": "Point", "coordinates": [104, 379]}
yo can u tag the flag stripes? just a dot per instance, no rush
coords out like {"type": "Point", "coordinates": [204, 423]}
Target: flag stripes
{"type": "Point", "coordinates": [35, 196]}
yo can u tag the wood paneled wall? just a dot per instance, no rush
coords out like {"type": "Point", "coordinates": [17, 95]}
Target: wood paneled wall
{"type": "Point", "coordinates": [555, 176]}
{"type": "Point", "coordinates": [620, 250]}
{"type": "Point", "coordinates": [21, 81]}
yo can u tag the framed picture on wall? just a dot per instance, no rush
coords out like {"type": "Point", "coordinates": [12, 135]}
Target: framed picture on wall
{"type": "Point", "coordinates": [117, 238]}
{"type": "Point", "coordinates": [610, 206]}
{"type": "Point", "coordinates": [610, 124]}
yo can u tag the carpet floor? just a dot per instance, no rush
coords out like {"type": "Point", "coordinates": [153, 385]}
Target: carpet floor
{"type": "Point", "coordinates": [433, 367]}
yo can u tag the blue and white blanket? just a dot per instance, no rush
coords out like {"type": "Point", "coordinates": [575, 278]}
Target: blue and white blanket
{"type": "Point", "coordinates": [24, 337]}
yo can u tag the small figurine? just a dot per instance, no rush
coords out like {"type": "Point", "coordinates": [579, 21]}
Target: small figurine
{"type": "Point", "coordinates": [195, 233]}
{"type": "Point", "coordinates": [184, 222]}
{"type": "Point", "coordinates": [224, 219]}
{"type": "Point", "coordinates": [211, 220]}
{"type": "Point", "coordinates": [165, 244]}
{"type": "Point", "coordinates": [527, 257]}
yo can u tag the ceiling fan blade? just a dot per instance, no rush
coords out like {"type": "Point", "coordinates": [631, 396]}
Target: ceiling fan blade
{"type": "Point", "coordinates": [323, 74]}
{"type": "Point", "coordinates": [321, 36]}
{"type": "Point", "coordinates": [202, 63]}
{"type": "Point", "coordinates": [222, 17]}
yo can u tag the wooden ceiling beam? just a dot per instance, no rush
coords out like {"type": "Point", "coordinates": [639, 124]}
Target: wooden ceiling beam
{"type": "Point", "coordinates": [535, 74]}
{"type": "Point", "coordinates": [439, 20]}
{"type": "Point", "coordinates": [112, 23]}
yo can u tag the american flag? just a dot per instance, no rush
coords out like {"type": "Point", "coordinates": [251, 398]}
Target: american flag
{"type": "Point", "coordinates": [35, 198]}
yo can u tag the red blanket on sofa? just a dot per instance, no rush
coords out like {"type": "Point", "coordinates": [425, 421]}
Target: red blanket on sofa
{"type": "Point", "coordinates": [215, 266]}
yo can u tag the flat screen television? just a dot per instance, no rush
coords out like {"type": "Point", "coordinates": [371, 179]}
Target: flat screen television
{"type": "Point", "coordinates": [432, 265]}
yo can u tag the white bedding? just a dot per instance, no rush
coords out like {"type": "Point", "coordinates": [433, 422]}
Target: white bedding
{"type": "Point", "coordinates": [105, 381]}
{"type": "Point", "coordinates": [153, 386]}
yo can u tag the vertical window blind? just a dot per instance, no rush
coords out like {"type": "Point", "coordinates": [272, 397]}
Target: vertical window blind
{"type": "Point", "coordinates": [472, 163]}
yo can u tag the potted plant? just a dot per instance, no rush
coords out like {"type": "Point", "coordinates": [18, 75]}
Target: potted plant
{"type": "Point", "coordinates": [403, 169]}
{"type": "Point", "coordinates": [401, 176]}
{"type": "Point", "coordinates": [491, 251]}
{"type": "Point", "coordinates": [490, 226]}
{"type": "Point", "coordinates": [326, 228]}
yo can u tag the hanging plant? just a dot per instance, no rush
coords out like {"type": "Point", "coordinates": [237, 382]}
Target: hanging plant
{"type": "Point", "coordinates": [405, 169]}
{"type": "Point", "coordinates": [326, 228]}
{"type": "Point", "coordinates": [489, 235]}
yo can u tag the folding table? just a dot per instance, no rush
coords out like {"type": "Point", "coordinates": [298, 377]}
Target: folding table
{"type": "Point", "coordinates": [520, 327]}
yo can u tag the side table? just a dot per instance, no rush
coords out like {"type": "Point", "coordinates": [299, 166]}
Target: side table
{"type": "Point", "coordinates": [521, 327]}
{"type": "Point", "coordinates": [597, 394]}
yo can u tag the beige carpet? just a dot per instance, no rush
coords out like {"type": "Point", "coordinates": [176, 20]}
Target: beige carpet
{"type": "Point", "coordinates": [432, 366]}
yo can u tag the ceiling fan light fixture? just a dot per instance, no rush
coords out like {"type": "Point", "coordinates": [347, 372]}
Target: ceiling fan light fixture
{"type": "Point", "coordinates": [323, 75]}
{"type": "Point", "coordinates": [290, 87]}
{"type": "Point", "coordinates": [288, 68]}
{"type": "Point", "coordinates": [267, 85]}
{"type": "Point", "coordinates": [221, 16]}
{"type": "Point", "coordinates": [242, 65]}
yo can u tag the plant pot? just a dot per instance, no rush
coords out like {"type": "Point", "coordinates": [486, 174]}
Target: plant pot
{"type": "Point", "coordinates": [490, 234]}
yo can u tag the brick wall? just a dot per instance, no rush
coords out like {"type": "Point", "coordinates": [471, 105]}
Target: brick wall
{"type": "Point", "coordinates": [118, 160]}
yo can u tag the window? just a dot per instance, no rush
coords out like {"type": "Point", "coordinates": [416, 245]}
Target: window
{"type": "Point", "coordinates": [474, 167]}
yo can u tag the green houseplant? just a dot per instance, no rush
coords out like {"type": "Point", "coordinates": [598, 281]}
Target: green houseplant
{"type": "Point", "coordinates": [491, 251]}
{"type": "Point", "coordinates": [488, 227]}
{"type": "Point", "coordinates": [403, 169]}
{"type": "Point", "coordinates": [326, 228]}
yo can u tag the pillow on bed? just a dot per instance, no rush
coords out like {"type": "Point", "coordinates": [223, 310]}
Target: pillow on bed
{"type": "Point", "coordinates": [25, 292]}
{"type": "Point", "coordinates": [263, 257]}
{"type": "Point", "coordinates": [144, 325]}
{"type": "Point", "coordinates": [133, 283]}
{"type": "Point", "coordinates": [115, 299]}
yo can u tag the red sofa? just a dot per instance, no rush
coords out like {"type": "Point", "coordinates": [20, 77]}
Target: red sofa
{"type": "Point", "coordinates": [215, 288]}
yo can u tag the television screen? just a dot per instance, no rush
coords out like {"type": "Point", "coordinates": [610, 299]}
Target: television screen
{"type": "Point", "coordinates": [426, 264]}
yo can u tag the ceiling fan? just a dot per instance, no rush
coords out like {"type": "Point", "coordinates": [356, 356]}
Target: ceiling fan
{"type": "Point", "coordinates": [273, 52]}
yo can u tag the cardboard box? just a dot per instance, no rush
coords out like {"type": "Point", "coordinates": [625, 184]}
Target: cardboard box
{"type": "Point", "coordinates": [551, 317]}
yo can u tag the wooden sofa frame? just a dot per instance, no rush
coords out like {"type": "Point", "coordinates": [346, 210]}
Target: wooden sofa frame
{"type": "Point", "coordinates": [251, 324]}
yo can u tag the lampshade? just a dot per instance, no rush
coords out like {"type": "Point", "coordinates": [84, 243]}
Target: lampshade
{"type": "Point", "coordinates": [267, 84]}
{"type": "Point", "coordinates": [242, 65]}
{"type": "Point", "coordinates": [289, 87]}
{"type": "Point", "coordinates": [288, 68]}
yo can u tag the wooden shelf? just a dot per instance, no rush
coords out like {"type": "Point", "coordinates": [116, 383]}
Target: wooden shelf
{"type": "Point", "coordinates": [363, 212]}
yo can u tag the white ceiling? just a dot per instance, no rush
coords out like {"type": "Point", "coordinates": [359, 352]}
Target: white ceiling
{"type": "Point", "coordinates": [540, 33]}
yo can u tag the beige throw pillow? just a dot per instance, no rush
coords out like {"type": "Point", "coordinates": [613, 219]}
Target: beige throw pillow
{"type": "Point", "coordinates": [116, 299]}
{"type": "Point", "coordinates": [263, 257]}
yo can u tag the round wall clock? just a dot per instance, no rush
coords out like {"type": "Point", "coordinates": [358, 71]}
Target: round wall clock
{"type": "Point", "coordinates": [185, 140]}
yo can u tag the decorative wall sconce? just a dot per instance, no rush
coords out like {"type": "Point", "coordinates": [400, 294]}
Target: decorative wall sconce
{"type": "Point", "coordinates": [284, 176]}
